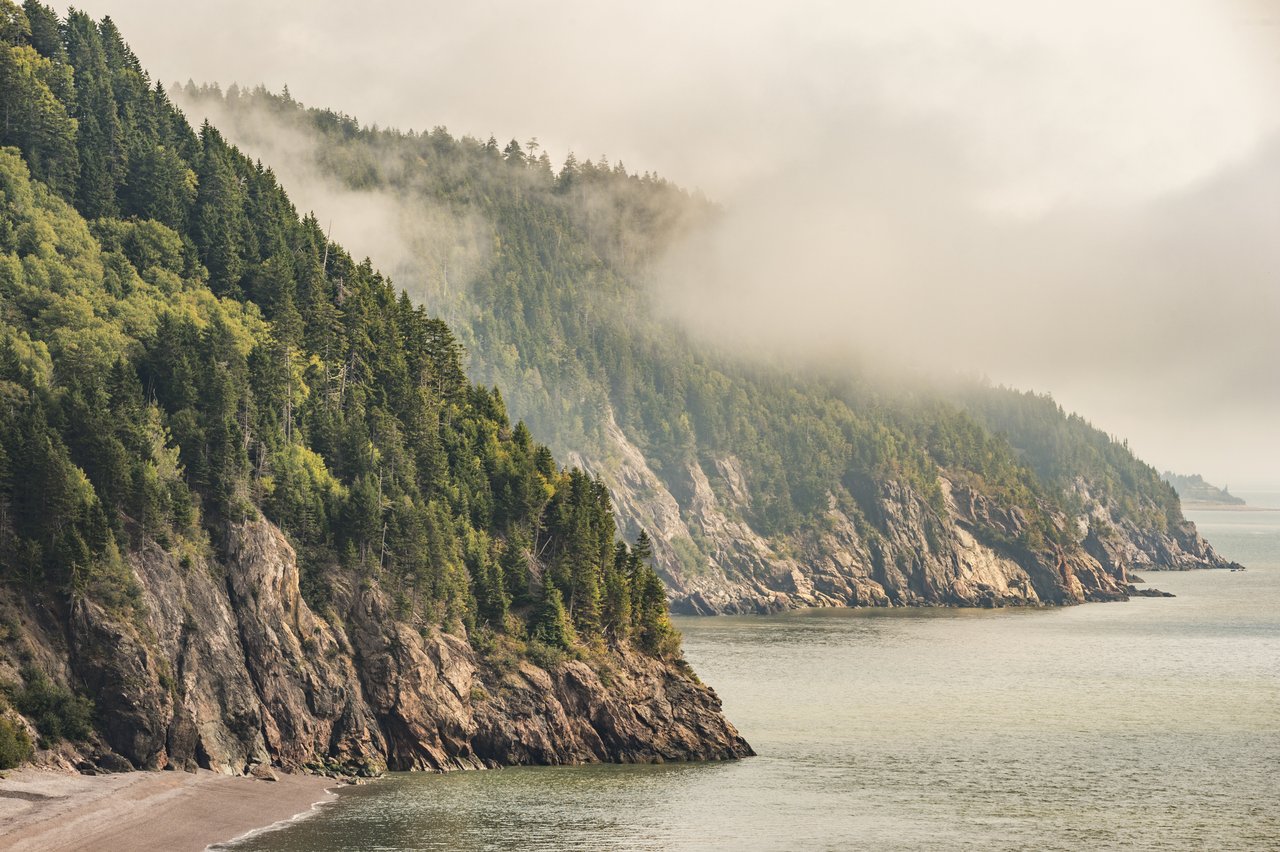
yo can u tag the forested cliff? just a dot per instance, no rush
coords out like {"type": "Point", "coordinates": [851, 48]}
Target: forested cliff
{"type": "Point", "coordinates": [762, 486]}
{"type": "Point", "coordinates": [252, 511]}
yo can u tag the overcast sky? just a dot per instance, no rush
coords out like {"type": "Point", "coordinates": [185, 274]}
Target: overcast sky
{"type": "Point", "coordinates": [1081, 198]}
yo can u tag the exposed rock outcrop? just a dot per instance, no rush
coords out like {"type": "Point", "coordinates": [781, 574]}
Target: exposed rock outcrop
{"type": "Point", "coordinates": [894, 548]}
{"type": "Point", "coordinates": [1121, 546]}
{"type": "Point", "coordinates": [1134, 591]}
{"type": "Point", "coordinates": [229, 668]}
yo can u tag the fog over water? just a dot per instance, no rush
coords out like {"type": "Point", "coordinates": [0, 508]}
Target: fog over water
{"type": "Point", "coordinates": [1081, 198]}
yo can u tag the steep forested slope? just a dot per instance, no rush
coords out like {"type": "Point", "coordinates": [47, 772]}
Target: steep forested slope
{"type": "Point", "coordinates": [762, 487]}
{"type": "Point", "coordinates": [250, 506]}
{"type": "Point", "coordinates": [1128, 515]}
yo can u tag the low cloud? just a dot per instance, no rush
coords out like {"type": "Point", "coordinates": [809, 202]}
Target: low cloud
{"type": "Point", "coordinates": [429, 249]}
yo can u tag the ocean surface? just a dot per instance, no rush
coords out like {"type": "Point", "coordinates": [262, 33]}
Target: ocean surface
{"type": "Point", "coordinates": [1151, 724]}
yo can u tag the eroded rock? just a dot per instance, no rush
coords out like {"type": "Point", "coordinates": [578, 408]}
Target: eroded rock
{"type": "Point", "coordinates": [226, 667]}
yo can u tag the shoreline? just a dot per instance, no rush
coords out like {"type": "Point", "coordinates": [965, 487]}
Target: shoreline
{"type": "Point", "coordinates": [51, 811]}
{"type": "Point", "coordinates": [1224, 507]}
{"type": "Point", "coordinates": [331, 797]}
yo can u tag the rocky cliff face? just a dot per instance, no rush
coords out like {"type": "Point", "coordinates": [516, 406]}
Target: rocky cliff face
{"type": "Point", "coordinates": [1122, 546]}
{"type": "Point", "coordinates": [897, 550]}
{"type": "Point", "coordinates": [228, 668]}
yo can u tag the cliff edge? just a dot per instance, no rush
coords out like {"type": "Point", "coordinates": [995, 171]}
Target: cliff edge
{"type": "Point", "coordinates": [228, 668]}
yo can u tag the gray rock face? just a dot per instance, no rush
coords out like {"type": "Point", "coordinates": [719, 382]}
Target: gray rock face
{"type": "Point", "coordinates": [901, 551]}
{"type": "Point", "coordinates": [1121, 546]}
{"type": "Point", "coordinates": [229, 669]}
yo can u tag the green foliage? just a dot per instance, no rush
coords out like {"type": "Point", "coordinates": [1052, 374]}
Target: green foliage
{"type": "Point", "coordinates": [15, 745]}
{"type": "Point", "coordinates": [650, 621]}
{"type": "Point", "coordinates": [556, 312]}
{"type": "Point", "coordinates": [57, 713]}
{"type": "Point", "coordinates": [179, 351]}
{"type": "Point", "coordinates": [1063, 448]}
{"type": "Point", "coordinates": [33, 93]}
{"type": "Point", "coordinates": [552, 627]}
{"type": "Point", "coordinates": [553, 315]}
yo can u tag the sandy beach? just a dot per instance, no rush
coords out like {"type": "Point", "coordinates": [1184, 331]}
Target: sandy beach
{"type": "Point", "coordinates": [51, 811]}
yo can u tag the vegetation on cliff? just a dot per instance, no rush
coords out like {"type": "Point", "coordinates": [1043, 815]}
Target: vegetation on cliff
{"type": "Point", "coordinates": [181, 351]}
{"type": "Point", "coordinates": [545, 273]}
{"type": "Point", "coordinates": [1193, 488]}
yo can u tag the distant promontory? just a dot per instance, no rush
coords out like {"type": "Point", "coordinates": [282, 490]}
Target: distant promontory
{"type": "Point", "coordinates": [1193, 489]}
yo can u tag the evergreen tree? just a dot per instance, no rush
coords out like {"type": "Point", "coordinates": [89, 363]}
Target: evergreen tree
{"type": "Point", "coordinates": [552, 626]}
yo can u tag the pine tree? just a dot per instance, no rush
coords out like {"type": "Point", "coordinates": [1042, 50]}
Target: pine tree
{"type": "Point", "coordinates": [552, 626]}
{"type": "Point", "coordinates": [33, 92]}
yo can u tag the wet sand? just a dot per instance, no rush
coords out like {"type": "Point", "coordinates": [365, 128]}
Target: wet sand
{"type": "Point", "coordinates": [51, 811]}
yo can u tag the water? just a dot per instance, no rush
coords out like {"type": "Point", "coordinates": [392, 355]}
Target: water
{"type": "Point", "coordinates": [1152, 724]}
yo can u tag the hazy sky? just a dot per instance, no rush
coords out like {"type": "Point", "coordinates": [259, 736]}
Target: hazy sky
{"type": "Point", "coordinates": [1076, 197]}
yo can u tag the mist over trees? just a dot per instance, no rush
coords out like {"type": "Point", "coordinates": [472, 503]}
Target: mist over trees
{"type": "Point", "coordinates": [179, 350]}
{"type": "Point", "coordinates": [560, 311]}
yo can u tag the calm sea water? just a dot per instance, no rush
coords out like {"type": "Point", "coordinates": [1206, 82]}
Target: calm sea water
{"type": "Point", "coordinates": [1152, 724]}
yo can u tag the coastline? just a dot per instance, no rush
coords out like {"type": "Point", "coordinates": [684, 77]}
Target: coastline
{"type": "Point", "coordinates": [52, 811]}
{"type": "Point", "coordinates": [1224, 507]}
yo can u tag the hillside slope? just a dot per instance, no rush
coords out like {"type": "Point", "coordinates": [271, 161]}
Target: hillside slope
{"type": "Point", "coordinates": [251, 510]}
{"type": "Point", "coordinates": [762, 487]}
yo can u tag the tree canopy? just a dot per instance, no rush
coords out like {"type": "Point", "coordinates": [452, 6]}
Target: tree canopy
{"type": "Point", "coordinates": [180, 350]}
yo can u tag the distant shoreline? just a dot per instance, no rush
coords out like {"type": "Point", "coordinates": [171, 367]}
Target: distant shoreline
{"type": "Point", "coordinates": [52, 811]}
{"type": "Point", "coordinates": [1225, 507]}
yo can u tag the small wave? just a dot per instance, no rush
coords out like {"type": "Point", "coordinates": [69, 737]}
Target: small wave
{"type": "Point", "coordinates": [233, 843]}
